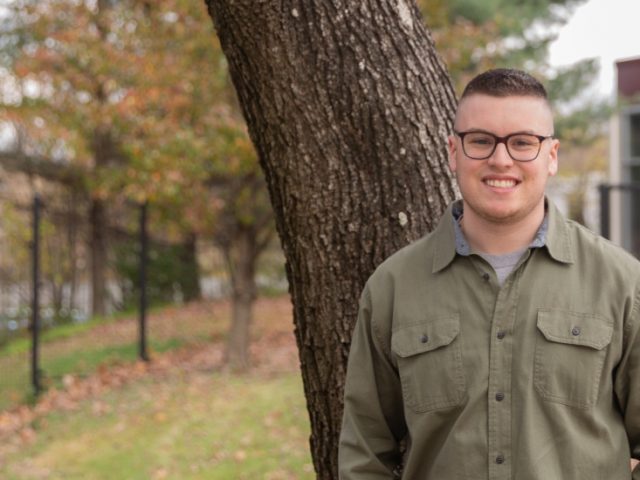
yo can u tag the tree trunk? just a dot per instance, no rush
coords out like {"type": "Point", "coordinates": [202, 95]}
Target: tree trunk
{"type": "Point", "coordinates": [241, 256]}
{"type": "Point", "coordinates": [72, 236]}
{"type": "Point", "coordinates": [191, 280]}
{"type": "Point", "coordinates": [349, 108]}
{"type": "Point", "coordinates": [105, 152]}
{"type": "Point", "coordinates": [97, 219]}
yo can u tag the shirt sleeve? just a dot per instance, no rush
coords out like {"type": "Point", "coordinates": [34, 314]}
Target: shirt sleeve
{"type": "Point", "coordinates": [373, 422]}
{"type": "Point", "coordinates": [628, 383]}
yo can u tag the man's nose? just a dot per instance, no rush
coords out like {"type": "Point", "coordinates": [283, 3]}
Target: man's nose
{"type": "Point", "coordinates": [501, 157]}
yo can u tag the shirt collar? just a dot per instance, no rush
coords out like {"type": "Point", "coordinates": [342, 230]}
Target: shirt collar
{"type": "Point", "coordinates": [449, 239]}
{"type": "Point", "coordinates": [445, 240]}
{"type": "Point", "coordinates": [558, 241]}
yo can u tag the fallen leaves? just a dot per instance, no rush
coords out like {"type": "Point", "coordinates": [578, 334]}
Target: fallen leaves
{"type": "Point", "coordinates": [240, 455]}
{"type": "Point", "coordinates": [273, 350]}
{"type": "Point", "coordinates": [160, 417]}
{"type": "Point", "coordinates": [161, 474]}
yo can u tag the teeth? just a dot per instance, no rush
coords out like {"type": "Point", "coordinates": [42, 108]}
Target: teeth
{"type": "Point", "coordinates": [501, 183]}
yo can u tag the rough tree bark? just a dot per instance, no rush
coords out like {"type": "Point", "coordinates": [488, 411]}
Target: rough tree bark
{"type": "Point", "coordinates": [349, 107]}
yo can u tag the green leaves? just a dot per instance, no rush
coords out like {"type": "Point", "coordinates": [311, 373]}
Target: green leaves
{"type": "Point", "coordinates": [474, 35]}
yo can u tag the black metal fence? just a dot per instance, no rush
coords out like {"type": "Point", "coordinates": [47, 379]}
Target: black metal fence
{"type": "Point", "coordinates": [47, 330]}
{"type": "Point", "coordinates": [35, 326]}
{"type": "Point", "coordinates": [620, 214]}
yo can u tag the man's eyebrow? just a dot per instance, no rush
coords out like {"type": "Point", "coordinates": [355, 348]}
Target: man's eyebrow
{"type": "Point", "coordinates": [481, 130]}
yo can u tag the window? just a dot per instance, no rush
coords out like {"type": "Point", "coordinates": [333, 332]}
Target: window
{"type": "Point", "coordinates": [634, 208]}
{"type": "Point", "coordinates": [634, 134]}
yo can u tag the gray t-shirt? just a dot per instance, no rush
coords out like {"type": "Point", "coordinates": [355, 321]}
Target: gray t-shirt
{"type": "Point", "coordinates": [503, 264]}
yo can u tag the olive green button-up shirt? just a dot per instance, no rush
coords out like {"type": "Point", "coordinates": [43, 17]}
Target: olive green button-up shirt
{"type": "Point", "coordinates": [452, 377]}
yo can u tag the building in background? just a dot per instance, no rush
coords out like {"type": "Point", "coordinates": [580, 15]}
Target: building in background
{"type": "Point", "coordinates": [623, 226]}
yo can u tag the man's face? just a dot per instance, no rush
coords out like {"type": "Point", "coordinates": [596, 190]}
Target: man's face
{"type": "Point", "coordinates": [499, 189]}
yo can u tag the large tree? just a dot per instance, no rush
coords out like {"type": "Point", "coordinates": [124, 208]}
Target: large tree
{"type": "Point", "coordinates": [349, 107]}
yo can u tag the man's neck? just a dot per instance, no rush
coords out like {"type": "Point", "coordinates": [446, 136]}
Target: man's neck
{"type": "Point", "coordinates": [496, 238]}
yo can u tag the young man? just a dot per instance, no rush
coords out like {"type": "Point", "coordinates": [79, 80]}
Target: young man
{"type": "Point", "coordinates": [506, 343]}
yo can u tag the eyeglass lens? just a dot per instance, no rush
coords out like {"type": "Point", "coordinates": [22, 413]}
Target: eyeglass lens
{"type": "Point", "coordinates": [480, 145]}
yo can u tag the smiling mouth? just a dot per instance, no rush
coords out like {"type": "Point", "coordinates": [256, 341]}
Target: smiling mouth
{"type": "Point", "coordinates": [501, 183]}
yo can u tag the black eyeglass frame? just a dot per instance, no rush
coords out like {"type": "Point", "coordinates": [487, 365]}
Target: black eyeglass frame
{"type": "Point", "coordinates": [503, 140]}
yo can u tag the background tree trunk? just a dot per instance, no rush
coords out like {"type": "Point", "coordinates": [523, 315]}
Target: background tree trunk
{"type": "Point", "coordinates": [191, 281]}
{"type": "Point", "coordinates": [349, 108]}
{"type": "Point", "coordinates": [72, 240]}
{"type": "Point", "coordinates": [241, 256]}
{"type": "Point", "coordinates": [98, 244]}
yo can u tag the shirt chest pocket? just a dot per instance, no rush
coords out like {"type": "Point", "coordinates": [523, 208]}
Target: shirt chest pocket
{"type": "Point", "coordinates": [570, 354]}
{"type": "Point", "coordinates": [430, 364]}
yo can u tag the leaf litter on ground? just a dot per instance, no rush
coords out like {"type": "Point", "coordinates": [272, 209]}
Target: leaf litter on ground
{"type": "Point", "coordinates": [273, 351]}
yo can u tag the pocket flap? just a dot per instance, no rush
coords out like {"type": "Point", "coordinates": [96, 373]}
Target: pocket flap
{"type": "Point", "coordinates": [575, 328]}
{"type": "Point", "coordinates": [424, 337]}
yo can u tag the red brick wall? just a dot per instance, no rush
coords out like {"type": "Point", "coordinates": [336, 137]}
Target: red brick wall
{"type": "Point", "coordinates": [628, 77]}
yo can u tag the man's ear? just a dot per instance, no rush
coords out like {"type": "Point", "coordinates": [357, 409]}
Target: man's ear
{"type": "Point", "coordinates": [451, 141]}
{"type": "Point", "coordinates": [553, 157]}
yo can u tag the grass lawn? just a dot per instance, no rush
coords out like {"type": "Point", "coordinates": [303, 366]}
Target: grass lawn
{"type": "Point", "coordinates": [196, 425]}
{"type": "Point", "coordinates": [180, 417]}
{"type": "Point", "coordinates": [81, 349]}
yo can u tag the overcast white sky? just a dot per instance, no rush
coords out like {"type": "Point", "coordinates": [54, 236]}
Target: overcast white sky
{"type": "Point", "coordinates": [606, 29]}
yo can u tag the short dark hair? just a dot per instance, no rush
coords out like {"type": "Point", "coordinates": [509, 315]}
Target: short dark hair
{"type": "Point", "coordinates": [505, 82]}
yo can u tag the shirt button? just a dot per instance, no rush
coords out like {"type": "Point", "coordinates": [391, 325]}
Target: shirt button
{"type": "Point", "coordinates": [424, 338]}
{"type": "Point", "coordinates": [500, 459]}
{"type": "Point", "coordinates": [575, 331]}
{"type": "Point", "coordinates": [501, 334]}
{"type": "Point", "coordinates": [499, 396]}
{"type": "Point", "coordinates": [485, 276]}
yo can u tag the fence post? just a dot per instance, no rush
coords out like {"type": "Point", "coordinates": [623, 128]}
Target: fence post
{"type": "Point", "coordinates": [144, 246]}
{"type": "Point", "coordinates": [605, 191]}
{"type": "Point", "coordinates": [35, 300]}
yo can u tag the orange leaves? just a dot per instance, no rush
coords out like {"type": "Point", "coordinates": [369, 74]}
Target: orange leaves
{"type": "Point", "coordinates": [154, 75]}
{"type": "Point", "coordinates": [21, 70]}
{"type": "Point", "coordinates": [130, 102]}
{"type": "Point", "coordinates": [68, 35]}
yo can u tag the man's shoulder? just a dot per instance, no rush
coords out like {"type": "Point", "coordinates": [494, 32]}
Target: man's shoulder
{"type": "Point", "coordinates": [591, 247]}
{"type": "Point", "coordinates": [417, 256]}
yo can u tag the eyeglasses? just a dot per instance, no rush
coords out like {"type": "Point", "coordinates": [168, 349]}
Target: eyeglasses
{"type": "Point", "coordinates": [522, 147]}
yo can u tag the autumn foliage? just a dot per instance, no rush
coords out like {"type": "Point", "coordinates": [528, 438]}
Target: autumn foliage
{"type": "Point", "coordinates": [125, 102]}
